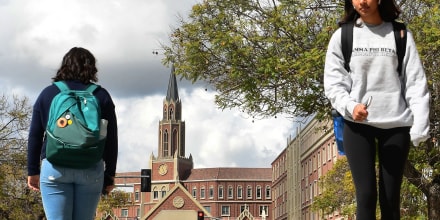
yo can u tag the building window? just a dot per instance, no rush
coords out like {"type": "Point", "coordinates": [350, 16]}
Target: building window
{"type": "Point", "coordinates": [163, 192]}
{"type": "Point", "coordinates": [315, 163]}
{"type": "Point", "coordinates": [171, 114]}
{"type": "Point", "coordinates": [264, 208]}
{"type": "Point", "coordinates": [226, 210]}
{"type": "Point", "coordinates": [249, 192]}
{"type": "Point", "coordinates": [207, 208]}
{"type": "Point", "coordinates": [174, 141]}
{"type": "Point", "coordinates": [220, 192]}
{"type": "Point", "coordinates": [268, 192]}
{"type": "Point", "coordinates": [124, 212]}
{"type": "Point", "coordinates": [211, 192]}
{"type": "Point", "coordinates": [240, 192]}
{"type": "Point", "coordinates": [329, 152]}
{"type": "Point", "coordinates": [194, 193]}
{"type": "Point", "coordinates": [202, 192]}
{"type": "Point", "coordinates": [302, 169]}
{"type": "Point", "coordinates": [258, 192]}
{"type": "Point", "coordinates": [138, 212]}
{"type": "Point", "coordinates": [155, 193]}
{"type": "Point", "coordinates": [165, 143]}
{"type": "Point", "coordinates": [136, 196]}
{"type": "Point", "coordinates": [165, 112]}
{"type": "Point", "coordinates": [319, 159]}
{"type": "Point", "coordinates": [242, 208]}
{"type": "Point", "coordinates": [230, 192]}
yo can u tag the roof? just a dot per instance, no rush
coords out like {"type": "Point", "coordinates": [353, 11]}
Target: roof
{"type": "Point", "coordinates": [230, 173]}
{"type": "Point", "coordinates": [128, 178]}
{"type": "Point", "coordinates": [172, 93]}
{"type": "Point", "coordinates": [169, 201]}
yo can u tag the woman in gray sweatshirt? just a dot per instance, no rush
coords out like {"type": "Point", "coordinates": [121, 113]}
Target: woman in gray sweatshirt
{"type": "Point", "coordinates": [398, 111]}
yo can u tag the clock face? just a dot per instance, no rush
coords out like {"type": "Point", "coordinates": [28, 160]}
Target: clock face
{"type": "Point", "coordinates": [163, 169]}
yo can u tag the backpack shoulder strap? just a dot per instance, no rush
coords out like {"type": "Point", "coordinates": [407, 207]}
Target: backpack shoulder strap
{"type": "Point", "coordinates": [62, 86]}
{"type": "Point", "coordinates": [92, 87]}
{"type": "Point", "coordinates": [347, 43]}
{"type": "Point", "coordinates": [400, 37]}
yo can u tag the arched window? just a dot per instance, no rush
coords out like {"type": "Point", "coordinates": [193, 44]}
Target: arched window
{"type": "Point", "coordinates": [163, 191]}
{"type": "Point", "coordinates": [165, 115]}
{"type": "Point", "coordinates": [171, 114]}
{"type": "Point", "coordinates": [194, 192]}
{"type": "Point", "coordinates": [174, 141]}
{"type": "Point", "coordinates": [249, 192]}
{"type": "Point", "coordinates": [230, 192]}
{"type": "Point", "coordinates": [165, 143]}
{"type": "Point", "coordinates": [258, 192]}
{"type": "Point", "coordinates": [268, 192]}
{"type": "Point", "coordinates": [220, 192]}
{"type": "Point", "coordinates": [155, 193]}
{"type": "Point", "coordinates": [202, 192]}
{"type": "Point", "coordinates": [239, 192]}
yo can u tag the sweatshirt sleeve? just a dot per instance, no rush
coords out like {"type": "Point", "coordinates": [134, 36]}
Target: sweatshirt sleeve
{"type": "Point", "coordinates": [417, 95]}
{"type": "Point", "coordinates": [337, 80]}
{"type": "Point", "coordinates": [110, 155]}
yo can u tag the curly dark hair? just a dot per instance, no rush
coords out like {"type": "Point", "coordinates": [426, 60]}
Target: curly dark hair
{"type": "Point", "coordinates": [388, 10]}
{"type": "Point", "coordinates": [77, 64]}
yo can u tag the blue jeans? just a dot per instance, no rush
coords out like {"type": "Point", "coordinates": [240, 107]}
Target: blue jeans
{"type": "Point", "coordinates": [70, 194]}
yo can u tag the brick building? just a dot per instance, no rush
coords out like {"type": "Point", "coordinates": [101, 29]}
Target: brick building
{"type": "Point", "coordinates": [296, 171]}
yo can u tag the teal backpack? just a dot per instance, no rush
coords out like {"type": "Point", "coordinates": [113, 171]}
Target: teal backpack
{"type": "Point", "coordinates": [73, 132]}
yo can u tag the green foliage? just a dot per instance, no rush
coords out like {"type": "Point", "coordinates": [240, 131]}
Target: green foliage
{"type": "Point", "coordinates": [16, 200]}
{"type": "Point", "coordinates": [423, 168]}
{"type": "Point", "coordinates": [337, 191]}
{"type": "Point", "coordinates": [116, 199]}
{"type": "Point", "coordinates": [262, 58]}
{"type": "Point", "coordinates": [413, 202]}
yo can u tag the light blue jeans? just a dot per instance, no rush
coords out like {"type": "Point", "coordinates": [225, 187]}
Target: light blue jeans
{"type": "Point", "coordinates": [70, 194]}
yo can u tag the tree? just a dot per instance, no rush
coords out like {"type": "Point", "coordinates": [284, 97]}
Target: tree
{"type": "Point", "coordinates": [266, 57]}
{"type": "Point", "coordinates": [116, 199]}
{"type": "Point", "coordinates": [16, 200]}
{"type": "Point", "coordinates": [337, 191]}
{"type": "Point", "coordinates": [423, 166]}
{"type": "Point", "coordinates": [263, 57]}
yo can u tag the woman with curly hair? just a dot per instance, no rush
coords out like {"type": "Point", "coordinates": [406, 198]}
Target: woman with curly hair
{"type": "Point", "coordinates": [69, 193]}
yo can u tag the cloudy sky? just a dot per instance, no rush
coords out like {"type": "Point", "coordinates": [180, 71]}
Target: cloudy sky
{"type": "Point", "coordinates": [122, 34]}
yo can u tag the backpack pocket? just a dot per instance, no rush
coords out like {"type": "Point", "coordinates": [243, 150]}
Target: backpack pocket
{"type": "Point", "coordinates": [72, 131]}
{"type": "Point", "coordinates": [73, 156]}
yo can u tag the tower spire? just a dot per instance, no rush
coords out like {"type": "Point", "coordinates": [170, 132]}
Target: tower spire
{"type": "Point", "coordinates": [172, 93]}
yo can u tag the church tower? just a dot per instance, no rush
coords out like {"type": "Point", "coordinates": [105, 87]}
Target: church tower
{"type": "Point", "coordinates": [170, 164]}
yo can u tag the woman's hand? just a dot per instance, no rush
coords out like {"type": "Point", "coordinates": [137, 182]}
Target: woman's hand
{"type": "Point", "coordinates": [34, 182]}
{"type": "Point", "coordinates": [360, 112]}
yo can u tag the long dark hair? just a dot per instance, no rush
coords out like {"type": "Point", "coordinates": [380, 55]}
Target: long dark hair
{"type": "Point", "coordinates": [77, 64]}
{"type": "Point", "coordinates": [388, 10]}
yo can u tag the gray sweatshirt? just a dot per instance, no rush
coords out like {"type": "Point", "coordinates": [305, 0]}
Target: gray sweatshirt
{"type": "Point", "coordinates": [396, 102]}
